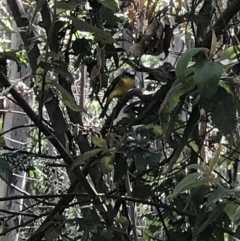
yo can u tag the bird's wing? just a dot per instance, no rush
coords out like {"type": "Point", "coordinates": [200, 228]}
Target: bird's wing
{"type": "Point", "coordinates": [112, 86]}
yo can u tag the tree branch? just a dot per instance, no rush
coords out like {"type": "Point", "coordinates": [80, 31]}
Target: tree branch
{"type": "Point", "coordinates": [221, 23]}
{"type": "Point", "coordinates": [56, 143]}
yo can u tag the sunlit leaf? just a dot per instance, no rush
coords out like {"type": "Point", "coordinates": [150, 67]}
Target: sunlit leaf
{"type": "Point", "coordinates": [225, 86]}
{"type": "Point", "coordinates": [84, 157]}
{"type": "Point", "coordinates": [230, 210]}
{"type": "Point", "coordinates": [157, 129]}
{"type": "Point", "coordinates": [99, 142]}
{"type": "Point", "coordinates": [230, 53]}
{"type": "Point", "coordinates": [106, 164]}
{"type": "Point", "coordinates": [194, 146]}
{"type": "Point", "coordinates": [153, 227]}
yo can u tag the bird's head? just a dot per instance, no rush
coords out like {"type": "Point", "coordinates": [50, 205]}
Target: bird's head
{"type": "Point", "coordinates": [129, 74]}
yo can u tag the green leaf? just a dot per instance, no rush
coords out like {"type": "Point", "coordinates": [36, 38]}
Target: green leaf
{"type": "Point", "coordinates": [144, 133]}
{"type": "Point", "coordinates": [237, 232]}
{"type": "Point", "coordinates": [225, 85]}
{"type": "Point", "coordinates": [153, 226]}
{"type": "Point", "coordinates": [224, 112]}
{"type": "Point", "coordinates": [141, 190]}
{"type": "Point", "coordinates": [68, 99]}
{"type": "Point", "coordinates": [82, 46]}
{"type": "Point", "coordinates": [197, 196]}
{"type": "Point", "coordinates": [110, 19]}
{"type": "Point", "coordinates": [211, 217]}
{"type": "Point", "coordinates": [200, 182]}
{"type": "Point", "coordinates": [207, 76]}
{"type": "Point", "coordinates": [192, 122]}
{"type": "Point", "coordinates": [157, 129]}
{"type": "Point", "coordinates": [184, 183]}
{"type": "Point", "coordinates": [102, 36]}
{"type": "Point", "coordinates": [195, 166]}
{"type": "Point", "coordinates": [215, 159]}
{"type": "Point", "coordinates": [230, 53]}
{"type": "Point", "coordinates": [106, 164]}
{"type": "Point", "coordinates": [184, 60]}
{"type": "Point", "coordinates": [51, 233]}
{"type": "Point", "coordinates": [237, 216]}
{"type": "Point", "coordinates": [99, 142]}
{"type": "Point", "coordinates": [230, 210]}
{"type": "Point", "coordinates": [194, 146]}
{"type": "Point", "coordinates": [218, 194]}
{"type": "Point", "coordinates": [2, 142]}
{"type": "Point", "coordinates": [5, 171]}
{"type": "Point", "coordinates": [120, 167]}
{"type": "Point", "coordinates": [173, 96]}
{"type": "Point", "coordinates": [8, 24]}
{"type": "Point", "coordinates": [144, 157]}
{"type": "Point", "coordinates": [123, 221]}
{"type": "Point", "coordinates": [84, 157]}
{"type": "Point", "coordinates": [111, 4]}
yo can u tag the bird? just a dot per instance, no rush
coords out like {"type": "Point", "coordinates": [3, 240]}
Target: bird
{"type": "Point", "coordinates": [161, 73]}
{"type": "Point", "coordinates": [119, 87]}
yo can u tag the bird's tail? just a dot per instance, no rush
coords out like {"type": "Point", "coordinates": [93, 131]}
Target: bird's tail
{"type": "Point", "coordinates": [104, 110]}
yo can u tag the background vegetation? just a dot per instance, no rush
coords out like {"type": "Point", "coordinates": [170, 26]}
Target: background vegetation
{"type": "Point", "coordinates": [165, 168]}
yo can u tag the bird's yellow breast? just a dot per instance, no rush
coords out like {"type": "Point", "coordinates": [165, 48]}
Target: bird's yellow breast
{"type": "Point", "coordinates": [125, 85]}
{"type": "Point", "coordinates": [129, 83]}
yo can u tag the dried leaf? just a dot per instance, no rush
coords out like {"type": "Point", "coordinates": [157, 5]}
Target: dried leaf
{"type": "Point", "coordinates": [213, 45]}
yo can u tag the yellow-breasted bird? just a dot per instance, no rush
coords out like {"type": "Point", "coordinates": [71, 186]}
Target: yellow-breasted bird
{"type": "Point", "coordinates": [119, 87]}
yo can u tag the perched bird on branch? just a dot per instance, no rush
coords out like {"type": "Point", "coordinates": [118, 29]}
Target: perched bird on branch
{"type": "Point", "coordinates": [161, 73]}
{"type": "Point", "coordinates": [119, 87]}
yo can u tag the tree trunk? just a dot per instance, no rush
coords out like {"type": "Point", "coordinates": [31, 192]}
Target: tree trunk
{"type": "Point", "coordinates": [15, 139]}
